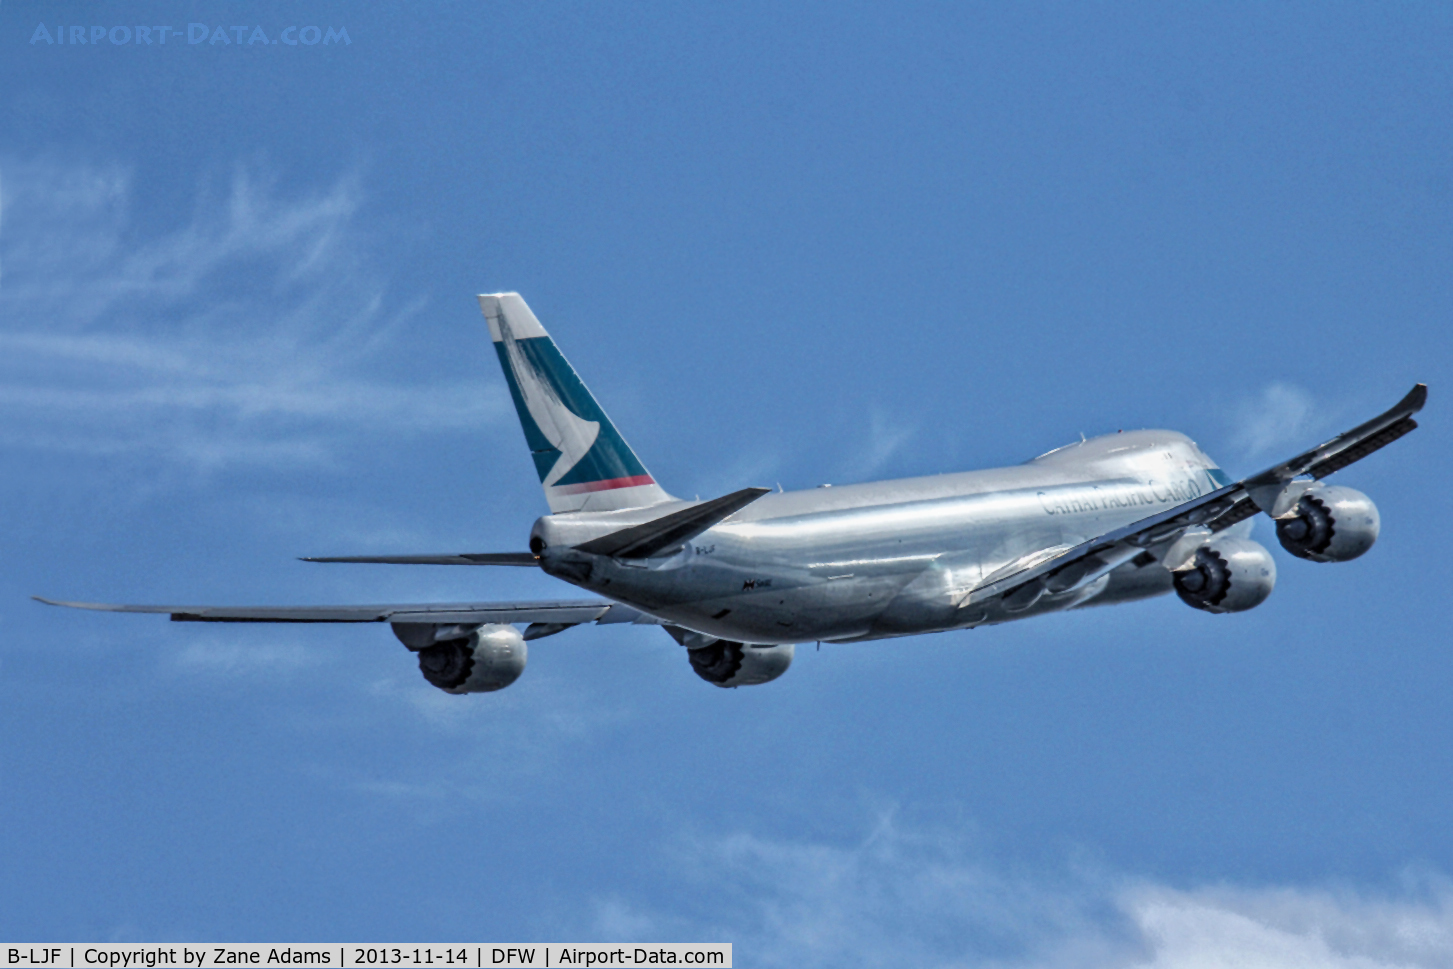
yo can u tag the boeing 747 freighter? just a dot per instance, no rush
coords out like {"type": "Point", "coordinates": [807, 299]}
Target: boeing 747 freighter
{"type": "Point", "coordinates": [738, 580]}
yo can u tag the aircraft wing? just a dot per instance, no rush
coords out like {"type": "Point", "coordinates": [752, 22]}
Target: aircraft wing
{"type": "Point", "coordinates": [1210, 513]}
{"type": "Point", "coordinates": [569, 612]}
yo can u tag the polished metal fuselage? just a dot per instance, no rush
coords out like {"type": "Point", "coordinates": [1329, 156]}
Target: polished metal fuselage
{"type": "Point", "coordinates": [893, 558]}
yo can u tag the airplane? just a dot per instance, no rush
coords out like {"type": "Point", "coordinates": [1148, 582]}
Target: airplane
{"type": "Point", "coordinates": [741, 579]}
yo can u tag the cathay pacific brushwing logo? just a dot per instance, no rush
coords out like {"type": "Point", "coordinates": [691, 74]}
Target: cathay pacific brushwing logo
{"type": "Point", "coordinates": [569, 434]}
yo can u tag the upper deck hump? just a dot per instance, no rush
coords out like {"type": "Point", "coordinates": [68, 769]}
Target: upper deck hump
{"type": "Point", "coordinates": [1094, 458]}
{"type": "Point", "coordinates": [1110, 446]}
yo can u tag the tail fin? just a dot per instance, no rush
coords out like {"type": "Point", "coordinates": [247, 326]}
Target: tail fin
{"type": "Point", "coordinates": [583, 462]}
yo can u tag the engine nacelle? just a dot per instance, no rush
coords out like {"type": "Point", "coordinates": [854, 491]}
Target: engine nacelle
{"type": "Point", "coordinates": [1227, 575]}
{"type": "Point", "coordinates": [726, 663]}
{"type": "Point", "coordinates": [1331, 524]}
{"type": "Point", "coordinates": [487, 659]}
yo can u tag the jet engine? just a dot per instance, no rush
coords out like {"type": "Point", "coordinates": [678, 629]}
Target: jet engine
{"type": "Point", "coordinates": [1227, 575]}
{"type": "Point", "coordinates": [482, 660]}
{"type": "Point", "coordinates": [726, 663]}
{"type": "Point", "coordinates": [1332, 524]}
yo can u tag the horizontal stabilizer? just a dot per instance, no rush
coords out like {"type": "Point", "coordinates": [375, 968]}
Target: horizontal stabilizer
{"type": "Point", "coordinates": [643, 541]}
{"type": "Point", "coordinates": [464, 558]}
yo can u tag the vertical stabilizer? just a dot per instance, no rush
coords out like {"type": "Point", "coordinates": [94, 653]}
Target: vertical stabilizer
{"type": "Point", "coordinates": [583, 462]}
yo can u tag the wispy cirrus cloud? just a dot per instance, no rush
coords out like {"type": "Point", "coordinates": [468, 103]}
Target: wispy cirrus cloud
{"type": "Point", "coordinates": [911, 897]}
{"type": "Point", "coordinates": [256, 330]}
{"type": "Point", "coordinates": [1281, 417]}
{"type": "Point", "coordinates": [886, 438]}
{"type": "Point", "coordinates": [229, 659]}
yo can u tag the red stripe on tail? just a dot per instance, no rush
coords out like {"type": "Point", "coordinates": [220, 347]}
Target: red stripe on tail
{"type": "Point", "coordinates": [609, 485]}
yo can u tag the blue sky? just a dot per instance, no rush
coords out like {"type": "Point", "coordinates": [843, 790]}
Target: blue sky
{"type": "Point", "coordinates": [787, 244]}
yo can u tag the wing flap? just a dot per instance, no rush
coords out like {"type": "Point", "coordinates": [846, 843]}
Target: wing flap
{"type": "Point", "coordinates": [1235, 515]}
{"type": "Point", "coordinates": [1362, 449]}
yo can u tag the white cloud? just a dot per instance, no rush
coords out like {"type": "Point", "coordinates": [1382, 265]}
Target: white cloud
{"type": "Point", "coordinates": [616, 920]}
{"type": "Point", "coordinates": [1281, 417]}
{"type": "Point", "coordinates": [491, 739]}
{"type": "Point", "coordinates": [901, 897]}
{"type": "Point", "coordinates": [758, 467]}
{"type": "Point", "coordinates": [895, 898]}
{"type": "Point", "coordinates": [1292, 927]}
{"type": "Point", "coordinates": [885, 439]}
{"type": "Point", "coordinates": [257, 330]}
{"type": "Point", "coordinates": [229, 659]}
